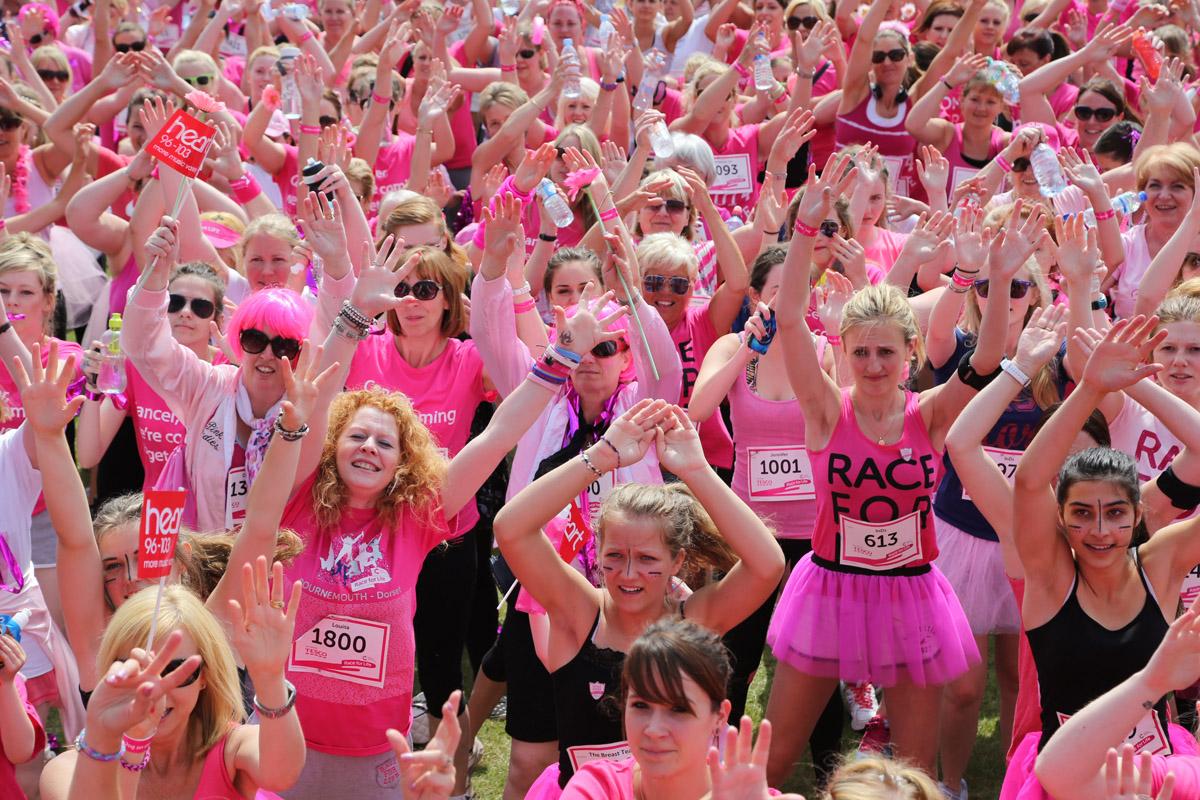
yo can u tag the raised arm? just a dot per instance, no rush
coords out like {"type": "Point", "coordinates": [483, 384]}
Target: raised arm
{"type": "Point", "coordinates": [923, 121]}
{"type": "Point", "coordinates": [858, 67]}
{"type": "Point", "coordinates": [957, 44]}
{"type": "Point", "coordinates": [1164, 268]}
{"type": "Point", "coordinates": [370, 132]}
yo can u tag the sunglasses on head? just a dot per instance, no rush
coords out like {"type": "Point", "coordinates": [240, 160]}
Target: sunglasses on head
{"type": "Point", "coordinates": [175, 664]}
{"type": "Point", "coordinates": [200, 307]}
{"type": "Point", "coordinates": [1083, 113]}
{"type": "Point", "coordinates": [136, 47]}
{"type": "Point", "coordinates": [254, 341]}
{"type": "Point", "coordinates": [896, 55]}
{"type": "Point", "coordinates": [829, 227]}
{"type": "Point", "coordinates": [671, 206]}
{"type": "Point", "coordinates": [527, 53]}
{"type": "Point", "coordinates": [60, 75]}
{"type": "Point", "coordinates": [200, 80]}
{"type": "Point", "coordinates": [794, 23]}
{"type": "Point", "coordinates": [1016, 290]}
{"type": "Point", "coordinates": [656, 283]}
{"type": "Point", "coordinates": [325, 122]}
{"type": "Point", "coordinates": [606, 349]}
{"type": "Point", "coordinates": [422, 289]}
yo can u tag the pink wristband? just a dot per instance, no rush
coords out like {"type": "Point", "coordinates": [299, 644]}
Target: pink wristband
{"type": "Point", "coordinates": [246, 190]}
{"type": "Point", "coordinates": [508, 67]}
{"type": "Point", "coordinates": [609, 214]}
{"type": "Point", "coordinates": [523, 306]}
{"type": "Point", "coordinates": [834, 340]}
{"type": "Point", "coordinates": [308, 35]}
{"type": "Point", "coordinates": [1103, 215]}
{"type": "Point", "coordinates": [136, 746]}
{"type": "Point", "coordinates": [804, 229]}
{"type": "Point", "coordinates": [312, 130]}
{"type": "Point", "coordinates": [958, 280]}
{"type": "Point", "coordinates": [1003, 164]}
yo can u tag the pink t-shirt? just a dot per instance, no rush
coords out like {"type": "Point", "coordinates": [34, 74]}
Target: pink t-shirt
{"type": "Point", "coordinates": [693, 337]}
{"type": "Point", "coordinates": [606, 780]}
{"type": "Point", "coordinates": [9, 787]}
{"type": "Point", "coordinates": [393, 165]}
{"type": "Point", "coordinates": [157, 429]}
{"type": "Point", "coordinates": [288, 178]}
{"type": "Point", "coordinates": [444, 393]}
{"type": "Point", "coordinates": [12, 398]}
{"type": "Point", "coordinates": [1132, 270]}
{"type": "Point", "coordinates": [884, 249]}
{"type": "Point", "coordinates": [738, 165]}
{"type": "Point", "coordinates": [353, 657]}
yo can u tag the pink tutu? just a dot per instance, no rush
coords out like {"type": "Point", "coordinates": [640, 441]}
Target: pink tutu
{"type": "Point", "coordinates": [886, 629]}
{"type": "Point", "coordinates": [546, 786]}
{"type": "Point", "coordinates": [1020, 782]}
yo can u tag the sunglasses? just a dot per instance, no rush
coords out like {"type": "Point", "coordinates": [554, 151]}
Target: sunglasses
{"type": "Point", "coordinates": [1020, 164]}
{"type": "Point", "coordinates": [896, 55]}
{"type": "Point", "coordinates": [175, 664]}
{"type": "Point", "coordinates": [421, 290]}
{"type": "Point", "coordinates": [829, 227]}
{"type": "Point", "coordinates": [60, 75]}
{"type": "Point", "coordinates": [38, 38]}
{"type": "Point", "coordinates": [528, 53]}
{"type": "Point", "coordinates": [254, 341]}
{"type": "Point", "coordinates": [136, 47]}
{"type": "Point", "coordinates": [200, 80]}
{"type": "Point", "coordinates": [671, 206]}
{"type": "Point", "coordinates": [200, 307]}
{"type": "Point", "coordinates": [325, 122]}
{"type": "Point", "coordinates": [1083, 113]}
{"type": "Point", "coordinates": [1016, 290]}
{"type": "Point", "coordinates": [606, 349]}
{"type": "Point", "coordinates": [809, 23]}
{"type": "Point", "coordinates": [11, 123]}
{"type": "Point", "coordinates": [655, 283]}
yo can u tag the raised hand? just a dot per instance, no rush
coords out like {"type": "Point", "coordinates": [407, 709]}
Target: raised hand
{"type": "Point", "coordinates": [121, 70]}
{"type": "Point", "coordinates": [1130, 777]}
{"type": "Point", "coordinates": [322, 220]}
{"type": "Point", "coordinates": [853, 257]}
{"type": "Point", "coordinates": [632, 433]}
{"type": "Point", "coordinates": [1078, 253]}
{"type": "Point", "coordinates": [612, 160]}
{"type": "Point", "coordinates": [303, 385]}
{"type": "Point", "coordinates": [1021, 237]}
{"type": "Point", "coordinates": [972, 241]}
{"type": "Point", "coordinates": [261, 626]}
{"type": "Point", "coordinates": [310, 81]}
{"type": "Point", "coordinates": [493, 178]}
{"type": "Point", "coordinates": [1108, 39]}
{"type": "Point", "coordinates": [154, 116]}
{"type": "Point", "coordinates": [743, 774]}
{"type": "Point", "coordinates": [678, 445]}
{"type": "Point", "coordinates": [820, 193]}
{"type": "Point", "coordinates": [798, 128]}
{"type": "Point", "coordinates": [163, 246]}
{"type": "Point", "coordinates": [808, 50]}
{"type": "Point", "coordinates": [931, 237]}
{"type": "Point", "coordinates": [933, 169]}
{"type": "Point", "coordinates": [535, 167]}
{"type": "Point", "coordinates": [965, 68]}
{"type": "Point", "coordinates": [1042, 337]}
{"type": "Point", "coordinates": [831, 299]}
{"type": "Point", "coordinates": [1082, 170]}
{"type": "Point", "coordinates": [429, 774]}
{"type": "Point", "coordinates": [1118, 360]}
{"type": "Point", "coordinates": [503, 232]}
{"type": "Point", "coordinates": [44, 393]}
{"type": "Point", "coordinates": [586, 328]}
{"type": "Point", "coordinates": [375, 290]}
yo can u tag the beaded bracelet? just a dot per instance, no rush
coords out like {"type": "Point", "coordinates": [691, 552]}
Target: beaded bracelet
{"type": "Point", "coordinates": [347, 330]}
{"type": "Point", "coordinates": [804, 229]}
{"type": "Point", "coordinates": [354, 316]}
{"type": "Point", "coordinates": [1003, 164]}
{"type": "Point", "coordinates": [312, 130]}
{"type": "Point", "coordinates": [139, 766]}
{"type": "Point", "coordinates": [290, 435]}
{"type": "Point", "coordinates": [587, 462]}
{"type": "Point", "coordinates": [609, 214]}
{"type": "Point", "coordinates": [82, 745]}
{"type": "Point", "coordinates": [612, 447]}
{"type": "Point", "coordinates": [524, 306]}
{"type": "Point", "coordinates": [608, 87]}
{"type": "Point", "coordinates": [1103, 215]}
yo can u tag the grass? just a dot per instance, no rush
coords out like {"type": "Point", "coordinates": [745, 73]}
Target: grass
{"type": "Point", "coordinates": [984, 775]}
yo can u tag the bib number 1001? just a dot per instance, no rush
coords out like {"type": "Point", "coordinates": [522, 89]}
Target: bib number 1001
{"type": "Point", "coordinates": [342, 641]}
{"type": "Point", "coordinates": [781, 466]}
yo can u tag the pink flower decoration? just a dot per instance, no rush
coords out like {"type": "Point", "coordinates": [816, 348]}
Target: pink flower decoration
{"type": "Point", "coordinates": [270, 96]}
{"type": "Point", "coordinates": [204, 102]}
{"type": "Point", "coordinates": [579, 180]}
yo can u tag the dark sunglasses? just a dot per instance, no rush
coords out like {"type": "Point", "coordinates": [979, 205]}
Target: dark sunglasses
{"type": "Point", "coordinates": [1020, 164]}
{"type": "Point", "coordinates": [136, 47]}
{"type": "Point", "coordinates": [200, 80]}
{"type": "Point", "coordinates": [38, 38]}
{"type": "Point", "coordinates": [175, 664]}
{"type": "Point", "coordinates": [809, 23]}
{"type": "Point", "coordinates": [325, 122]}
{"type": "Point", "coordinates": [200, 307]}
{"type": "Point", "coordinates": [656, 283]}
{"type": "Point", "coordinates": [1016, 290]}
{"type": "Point", "coordinates": [829, 227]}
{"type": "Point", "coordinates": [422, 290]}
{"type": "Point", "coordinates": [254, 341]}
{"type": "Point", "coordinates": [1083, 113]}
{"type": "Point", "coordinates": [11, 123]}
{"type": "Point", "coordinates": [606, 349]}
{"type": "Point", "coordinates": [60, 75]}
{"type": "Point", "coordinates": [896, 55]}
{"type": "Point", "coordinates": [527, 53]}
{"type": "Point", "coordinates": [672, 206]}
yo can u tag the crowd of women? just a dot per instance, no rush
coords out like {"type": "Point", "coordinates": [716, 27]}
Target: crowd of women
{"type": "Point", "coordinates": [567, 363]}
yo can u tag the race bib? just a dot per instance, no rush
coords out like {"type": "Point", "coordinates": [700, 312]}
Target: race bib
{"type": "Point", "coordinates": [881, 546]}
{"type": "Point", "coordinates": [597, 491]}
{"type": "Point", "coordinates": [734, 175]}
{"type": "Point", "coordinates": [582, 754]}
{"type": "Point", "coordinates": [897, 175]}
{"type": "Point", "coordinates": [1191, 588]}
{"type": "Point", "coordinates": [960, 174]}
{"type": "Point", "coordinates": [1147, 736]}
{"type": "Point", "coordinates": [344, 648]}
{"type": "Point", "coordinates": [780, 473]}
{"type": "Point", "coordinates": [1006, 460]}
{"type": "Point", "coordinates": [237, 489]}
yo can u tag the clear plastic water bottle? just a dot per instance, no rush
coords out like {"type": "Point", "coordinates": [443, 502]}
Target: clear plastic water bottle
{"type": "Point", "coordinates": [112, 360]}
{"type": "Point", "coordinates": [764, 79]}
{"type": "Point", "coordinates": [555, 203]}
{"type": "Point", "coordinates": [1128, 202]}
{"type": "Point", "coordinates": [1003, 77]}
{"type": "Point", "coordinates": [1047, 171]}
{"type": "Point", "coordinates": [661, 141]}
{"type": "Point", "coordinates": [606, 31]}
{"type": "Point", "coordinates": [510, 7]}
{"type": "Point", "coordinates": [289, 94]}
{"type": "Point", "coordinates": [12, 624]}
{"type": "Point", "coordinates": [644, 97]}
{"type": "Point", "coordinates": [570, 59]}
{"type": "Point", "coordinates": [295, 11]}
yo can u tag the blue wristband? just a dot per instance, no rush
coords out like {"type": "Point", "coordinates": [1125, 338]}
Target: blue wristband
{"type": "Point", "coordinates": [95, 755]}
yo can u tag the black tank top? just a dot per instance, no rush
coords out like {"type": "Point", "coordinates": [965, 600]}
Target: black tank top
{"type": "Point", "coordinates": [587, 701]}
{"type": "Point", "coordinates": [1078, 659]}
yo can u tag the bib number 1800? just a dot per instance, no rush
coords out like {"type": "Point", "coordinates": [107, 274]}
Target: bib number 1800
{"type": "Point", "coordinates": [342, 641]}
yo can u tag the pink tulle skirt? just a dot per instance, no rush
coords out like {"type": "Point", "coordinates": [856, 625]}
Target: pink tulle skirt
{"type": "Point", "coordinates": [1020, 782]}
{"type": "Point", "coordinates": [880, 628]}
{"type": "Point", "coordinates": [546, 786]}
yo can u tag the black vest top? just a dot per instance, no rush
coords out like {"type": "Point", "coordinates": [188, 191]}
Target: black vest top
{"type": "Point", "coordinates": [587, 700]}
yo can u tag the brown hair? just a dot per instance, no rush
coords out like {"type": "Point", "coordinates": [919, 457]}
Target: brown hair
{"type": "Point", "coordinates": [452, 277]}
{"type": "Point", "coordinates": [667, 651]}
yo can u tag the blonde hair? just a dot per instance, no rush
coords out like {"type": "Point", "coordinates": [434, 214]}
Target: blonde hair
{"type": "Point", "coordinates": [359, 170]}
{"type": "Point", "coordinates": [268, 50]}
{"type": "Point", "coordinates": [501, 93]}
{"type": "Point", "coordinates": [52, 54]}
{"type": "Point", "coordinates": [274, 225]}
{"type": "Point", "coordinates": [1178, 160]}
{"type": "Point", "coordinates": [419, 472]}
{"type": "Point", "coordinates": [24, 252]}
{"type": "Point", "coordinates": [880, 779]}
{"type": "Point", "coordinates": [883, 304]}
{"type": "Point", "coordinates": [219, 704]}
{"type": "Point", "coordinates": [686, 525]}
{"type": "Point", "coordinates": [421, 210]}
{"type": "Point", "coordinates": [708, 67]}
{"type": "Point", "coordinates": [677, 190]}
{"type": "Point", "coordinates": [589, 90]}
{"type": "Point", "coordinates": [667, 251]}
{"type": "Point", "coordinates": [184, 57]}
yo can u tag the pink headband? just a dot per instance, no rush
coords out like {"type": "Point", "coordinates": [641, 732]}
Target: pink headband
{"type": "Point", "coordinates": [220, 236]}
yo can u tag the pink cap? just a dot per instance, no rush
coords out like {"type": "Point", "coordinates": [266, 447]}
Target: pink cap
{"type": "Point", "coordinates": [278, 125]}
{"type": "Point", "coordinates": [220, 236]}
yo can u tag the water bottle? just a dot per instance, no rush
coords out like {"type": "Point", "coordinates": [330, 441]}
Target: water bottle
{"type": "Point", "coordinates": [644, 97]}
{"type": "Point", "coordinates": [12, 624]}
{"type": "Point", "coordinates": [289, 94]}
{"type": "Point", "coordinates": [112, 360]}
{"type": "Point", "coordinates": [555, 203]}
{"type": "Point", "coordinates": [1001, 75]}
{"type": "Point", "coordinates": [764, 79]}
{"type": "Point", "coordinates": [295, 11]}
{"type": "Point", "coordinates": [661, 141]}
{"type": "Point", "coordinates": [510, 7]}
{"type": "Point", "coordinates": [606, 31]}
{"type": "Point", "coordinates": [309, 176]}
{"type": "Point", "coordinates": [570, 58]}
{"type": "Point", "coordinates": [1047, 171]}
{"type": "Point", "coordinates": [1147, 53]}
{"type": "Point", "coordinates": [1127, 203]}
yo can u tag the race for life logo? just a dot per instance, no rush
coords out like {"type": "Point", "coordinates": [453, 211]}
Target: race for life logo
{"type": "Point", "coordinates": [354, 561]}
{"type": "Point", "coordinates": [596, 689]}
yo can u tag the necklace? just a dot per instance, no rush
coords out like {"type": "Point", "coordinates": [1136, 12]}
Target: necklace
{"type": "Point", "coordinates": [882, 437]}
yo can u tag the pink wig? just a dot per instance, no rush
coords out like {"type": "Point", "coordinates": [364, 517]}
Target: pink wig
{"type": "Point", "coordinates": [276, 311]}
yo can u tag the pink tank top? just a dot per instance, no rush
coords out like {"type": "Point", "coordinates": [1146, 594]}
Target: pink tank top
{"type": "Point", "coordinates": [874, 500]}
{"type": "Point", "coordinates": [960, 170]}
{"type": "Point", "coordinates": [771, 468]}
{"type": "Point", "coordinates": [215, 781]}
{"type": "Point", "coordinates": [896, 144]}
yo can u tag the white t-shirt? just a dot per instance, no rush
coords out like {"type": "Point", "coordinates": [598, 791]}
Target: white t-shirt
{"type": "Point", "coordinates": [694, 41]}
{"type": "Point", "coordinates": [19, 492]}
